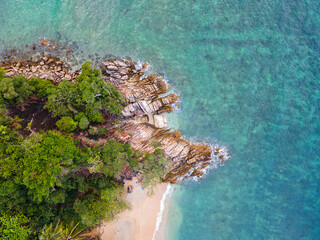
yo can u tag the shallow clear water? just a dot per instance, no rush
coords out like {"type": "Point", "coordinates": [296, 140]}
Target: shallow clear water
{"type": "Point", "coordinates": [249, 76]}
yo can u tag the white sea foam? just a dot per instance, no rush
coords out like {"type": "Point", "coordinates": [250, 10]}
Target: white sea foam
{"type": "Point", "coordinates": [164, 198]}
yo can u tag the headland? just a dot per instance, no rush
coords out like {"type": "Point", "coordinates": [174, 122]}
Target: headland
{"type": "Point", "coordinates": [142, 124]}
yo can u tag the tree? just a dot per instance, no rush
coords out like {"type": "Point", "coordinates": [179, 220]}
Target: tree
{"type": "Point", "coordinates": [2, 73]}
{"type": "Point", "coordinates": [153, 168]}
{"type": "Point", "coordinates": [89, 95]}
{"type": "Point", "coordinates": [10, 151]}
{"type": "Point", "coordinates": [60, 232]}
{"type": "Point", "coordinates": [46, 156]}
{"type": "Point", "coordinates": [49, 232]}
{"type": "Point", "coordinates": [72, 232]}
{"type": "Point", "coordinates": [41, 87]}
{"type": "Point", "coordinates": [84, 123]}
{"type": "Point", "coordinates": [13, 90]}
{"type": "Point", "coordinates": [96, 93]}
{"type": "Point", "coordinates": [111, 159]}
{"type": "Point", "coordinates": [64, 100]}
{"type": "Point", "coordinates": [67, 124]}
{"type": "Point", "coordinates": [103, 206]}
{"type": "Point", "coordinates": [14, 227]}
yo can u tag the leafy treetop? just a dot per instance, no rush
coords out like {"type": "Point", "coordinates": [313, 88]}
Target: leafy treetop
{"type": "Point", "coordinates": [89, 95]}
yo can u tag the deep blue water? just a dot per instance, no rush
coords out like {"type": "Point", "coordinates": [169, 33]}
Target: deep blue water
{"type": "Point", "coordinates": [249, 77]}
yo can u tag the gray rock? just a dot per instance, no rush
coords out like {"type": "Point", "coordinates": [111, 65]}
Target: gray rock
{"type": "Point", "coordinates": [120, 63]}
{"type": "Point", "coordinates": [112, 68]}
{"type": "Point", "coordinates": [67, 77]}
{"type": "Point", "coordinates": [160, 121]}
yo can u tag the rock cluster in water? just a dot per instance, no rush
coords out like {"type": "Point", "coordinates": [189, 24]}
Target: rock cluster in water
{"type": "Point", "coordinates": [45, 59]}
{"type": "Point", "coordinates": [143, 124]}
{"type": "Point", "coordinates": [45, 68]}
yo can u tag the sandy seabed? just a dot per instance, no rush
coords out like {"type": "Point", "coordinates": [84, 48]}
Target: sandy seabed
{"type": "Point", "coordinates": [138, 223]}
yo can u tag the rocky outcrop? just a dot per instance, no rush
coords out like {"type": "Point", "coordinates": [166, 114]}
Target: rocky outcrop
{"type": "Point", "coordinates": [145, 123]}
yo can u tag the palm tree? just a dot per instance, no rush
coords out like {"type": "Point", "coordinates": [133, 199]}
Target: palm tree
{"type": "Point", "coordinates": [50, 233]}
{"type": "Point", "coordinates": [71, 233]}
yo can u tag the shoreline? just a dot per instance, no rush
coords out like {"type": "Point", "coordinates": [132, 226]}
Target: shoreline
{"type": "Point", "coordinates": [143, 123]}
{"type": "Point", "coordinates": [144, 126]}
{"type": "Point", "coordinates": [139, 222]}
{"type": "Point", "coordinates": [162, 215]}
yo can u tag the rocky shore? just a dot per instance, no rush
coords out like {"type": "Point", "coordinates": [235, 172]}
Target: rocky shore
{"type": "Point", "coordinates": [147, 126]}
{"type": "Point", "coordinates": [47, 67]}
{"type": "Point", "coordinates": [143, 124]}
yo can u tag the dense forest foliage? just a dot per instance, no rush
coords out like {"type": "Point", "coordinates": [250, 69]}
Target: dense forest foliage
{"type": "Point", "coordinates": [51, 186]}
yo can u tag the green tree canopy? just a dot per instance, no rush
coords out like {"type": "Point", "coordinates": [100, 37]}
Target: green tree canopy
{"type": "Point", "coordinates": [153, 168]}
{"type": "Point", "coordinates": [89, 95]}
{"type": "Point", "coordinates": [67, 124]}
{"type": "Point", "coordinates": [14, 227]}
{"type": "Point", "coordinates": [41, 87]}
{"type": "Point", "coordinates": [111, 158]}
{"type": "Point", "coordinates": [48, 176]}
{"type": "Point", "coordinates": [46, 156]}
{"type": "Point", "coordinates": [13, 90]}
{"type": "Point", "coordinates": [106, 205]}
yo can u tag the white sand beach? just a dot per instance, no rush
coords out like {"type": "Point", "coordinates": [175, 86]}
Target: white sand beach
{"type": "Point", "coordinates": [138, 223]}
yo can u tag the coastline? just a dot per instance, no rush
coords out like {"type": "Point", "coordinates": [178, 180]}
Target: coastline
{"type": "Point", "coordinates": [144, 126]}
{"type": "Point", "coordinates": [139, 222]}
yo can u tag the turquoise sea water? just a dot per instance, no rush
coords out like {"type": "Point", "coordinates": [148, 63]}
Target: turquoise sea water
{"type": "Point", "coordinates": [248, 72]}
